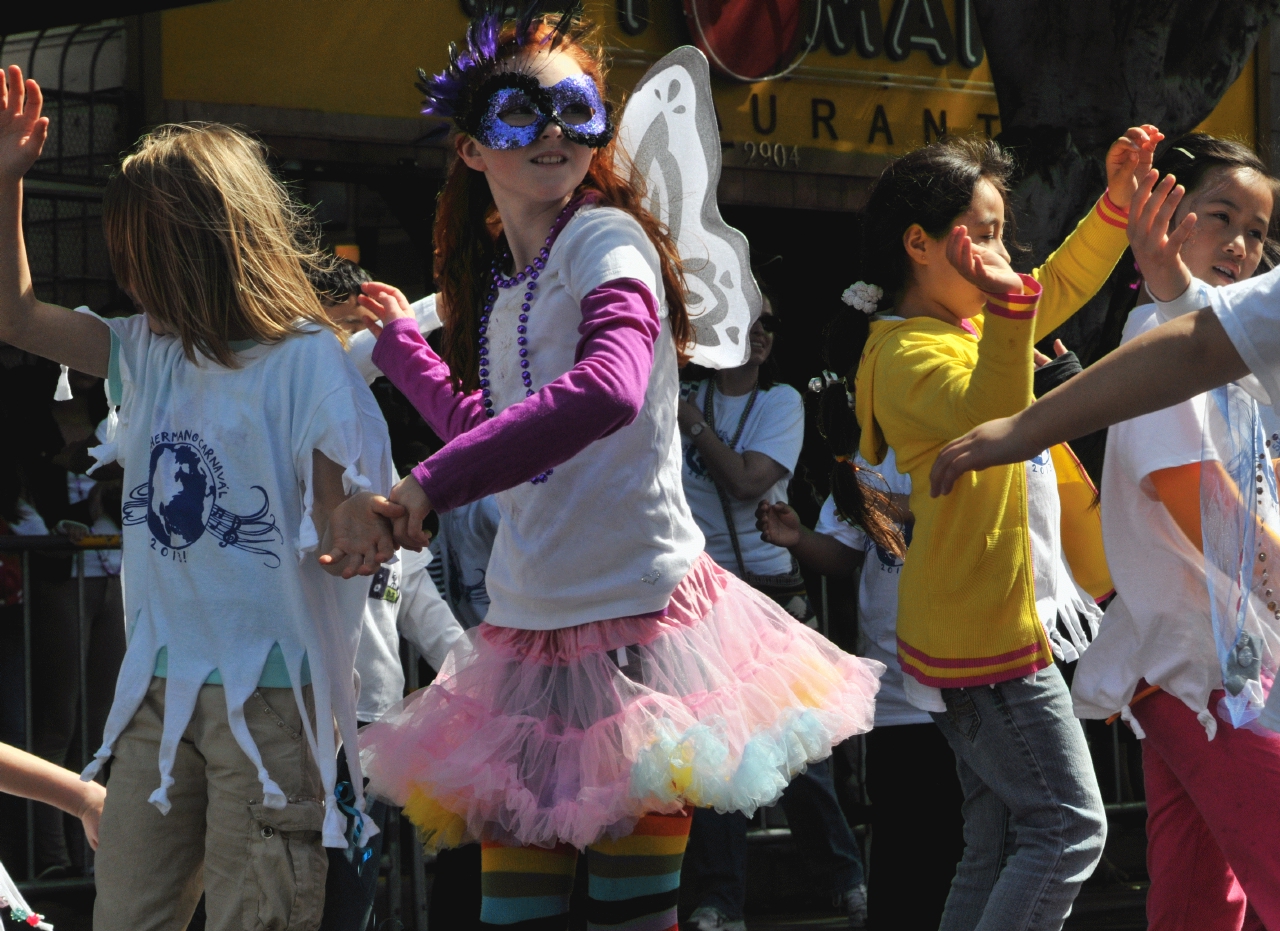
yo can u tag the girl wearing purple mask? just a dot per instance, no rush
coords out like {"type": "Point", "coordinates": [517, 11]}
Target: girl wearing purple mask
{"type": "Point", "coordinates": [620, 676]}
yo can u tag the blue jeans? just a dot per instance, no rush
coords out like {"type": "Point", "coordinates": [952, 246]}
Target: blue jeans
{"type": "Point", "coordinates": [1034, 825]}
{"type": "Point", "coordinates": [715, 863]}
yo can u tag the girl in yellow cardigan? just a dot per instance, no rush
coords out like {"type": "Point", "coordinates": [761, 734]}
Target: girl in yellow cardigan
{"type": "Point", "coordinates": [951, 347]}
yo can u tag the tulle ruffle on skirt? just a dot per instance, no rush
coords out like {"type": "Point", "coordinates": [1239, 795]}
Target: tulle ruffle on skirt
{"type": "Point", "coordinates": [565, 736]}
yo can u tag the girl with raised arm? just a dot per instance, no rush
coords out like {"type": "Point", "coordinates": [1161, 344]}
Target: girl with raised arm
{"type": "Point", "coordinates": [1155, 662]}
{"type": "Point", "coordinates": [984, 586]}
{"type": "Point", "coordinates": [248, 442]}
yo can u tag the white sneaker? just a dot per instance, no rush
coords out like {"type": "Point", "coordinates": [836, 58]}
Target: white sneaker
{"type": "Point", "coordinates": [854, 903]}
{"type": "Point", "coordinates": [706, 918]}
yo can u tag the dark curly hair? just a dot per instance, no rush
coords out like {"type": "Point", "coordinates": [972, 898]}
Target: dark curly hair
{"type": "Point", "coordinates": [337, 280]}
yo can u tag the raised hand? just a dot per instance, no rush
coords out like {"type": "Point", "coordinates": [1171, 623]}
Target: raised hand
{"type": "Point", "coordinates": [358, 539]}
{"type": "Point", "coordinates": [1158, 251]}
{"type": "Point", "coordinates": [386, 303]}
{"type": "Point", "coordinates": [22, 129]}
{"type": "Point", "coordinates": [980, 265]}
{"type": "Point", "coordinates": [778, 524]}
{"type": "Point", "coordinates": [1129, 160]}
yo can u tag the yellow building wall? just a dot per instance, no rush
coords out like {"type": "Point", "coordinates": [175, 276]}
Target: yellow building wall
{"type": "Point", "coordinates": [360, 56]}
{"type": "Point", "coordinates": [338, 56]}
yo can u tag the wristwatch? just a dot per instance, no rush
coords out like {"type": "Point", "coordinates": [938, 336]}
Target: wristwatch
{"type": "Point", "coordinates": [697, 428]}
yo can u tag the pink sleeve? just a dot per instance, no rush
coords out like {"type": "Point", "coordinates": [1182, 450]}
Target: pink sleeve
{"type": "Point", "coordinates": [404, 357]}
{"type": "Point", "coordinates": [602, 393]}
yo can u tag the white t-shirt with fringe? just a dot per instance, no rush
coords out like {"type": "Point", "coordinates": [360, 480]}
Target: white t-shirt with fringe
{"type": "Point", "coordinates": [219, 545]}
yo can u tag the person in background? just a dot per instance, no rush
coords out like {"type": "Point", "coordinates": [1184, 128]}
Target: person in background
{"type": "Point", "coordinates": [910, 770]}
{"type": "Point", "coordinates": [461, 547]}
{"type": "Point", "coordinates": [338, 286]}
{"type": "Point", "coordinates": [75, 504]}
{"type": "Point", "coordinates": [461, 551]}
{"type": "Point", "coordinates": [742, 436]}
{"type": "Point", "coordinates": [403, 602]}
{"type": "Point", "coordinates": [1209, 775]}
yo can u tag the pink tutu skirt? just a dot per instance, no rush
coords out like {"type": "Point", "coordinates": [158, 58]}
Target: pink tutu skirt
{"type": "Point", "coordinates": [539, 737]}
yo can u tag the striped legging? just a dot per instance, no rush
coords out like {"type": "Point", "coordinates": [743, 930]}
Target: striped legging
{"type": "Point", "coordinates": [633, 882]}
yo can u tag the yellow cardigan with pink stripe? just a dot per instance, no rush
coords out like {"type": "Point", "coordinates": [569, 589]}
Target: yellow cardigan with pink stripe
{"type": "Point", "coordinates": [966, 597]}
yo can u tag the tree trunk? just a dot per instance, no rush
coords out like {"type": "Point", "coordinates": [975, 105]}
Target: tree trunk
{"type": "Point", "coordinates": [1072, 76]}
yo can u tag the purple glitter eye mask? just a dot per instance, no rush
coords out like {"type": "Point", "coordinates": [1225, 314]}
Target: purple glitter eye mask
{"type": "Point", "coordinates": [509, 121]}
{"type": "Point", "coordinates": [517, 109]}
{"type": "Point", "coordinates": [577, 103]}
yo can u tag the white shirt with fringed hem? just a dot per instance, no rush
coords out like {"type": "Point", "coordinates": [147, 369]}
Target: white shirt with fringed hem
{"type": "Point", "coordinates": [219, 543]}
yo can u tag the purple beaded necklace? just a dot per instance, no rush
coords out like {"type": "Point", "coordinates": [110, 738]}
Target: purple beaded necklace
{"type": "Point", "coordinates": [529, 278]}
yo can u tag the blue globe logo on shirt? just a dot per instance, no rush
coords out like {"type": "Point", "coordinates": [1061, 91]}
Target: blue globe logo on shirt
{"type": "Point", "coordinates": [179, 503]}
{"type": "Point", "coordinates": [182, 495]}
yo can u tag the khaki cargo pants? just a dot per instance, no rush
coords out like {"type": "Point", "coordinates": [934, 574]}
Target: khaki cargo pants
{"type": "Point", "coordinates": [260, 868]}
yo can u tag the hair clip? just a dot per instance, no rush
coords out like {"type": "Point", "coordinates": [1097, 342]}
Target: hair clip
{"type": "Point", "coordinates": [842, 459]}
{"type": "Point", "coordinates": [862, 296]}
{"type": "Point", "coordinates": [819, 383]}
{"type": "Point", "coordinates": [1189, 155]}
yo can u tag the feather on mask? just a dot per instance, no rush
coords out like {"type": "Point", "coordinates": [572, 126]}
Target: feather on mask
{"type": "Point", "coordinates": [481, 71]}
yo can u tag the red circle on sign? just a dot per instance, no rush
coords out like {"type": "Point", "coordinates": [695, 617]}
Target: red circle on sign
{"type": "Point", "coordinates": [751, 40]}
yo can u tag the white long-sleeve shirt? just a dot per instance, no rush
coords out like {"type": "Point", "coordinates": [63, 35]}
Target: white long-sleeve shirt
{"type": "Point", "coordinates": [403, 602]}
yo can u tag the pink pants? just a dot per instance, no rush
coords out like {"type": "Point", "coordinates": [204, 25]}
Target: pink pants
{"type": "Point", "coordinates": [1213, 821]}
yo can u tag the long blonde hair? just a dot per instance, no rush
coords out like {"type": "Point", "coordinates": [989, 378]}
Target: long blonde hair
{"type": "Point", "coordinates": [209, 243]}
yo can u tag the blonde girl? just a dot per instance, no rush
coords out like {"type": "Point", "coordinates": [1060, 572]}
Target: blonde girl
{"type": "Point", "coordinates": [249, 443]}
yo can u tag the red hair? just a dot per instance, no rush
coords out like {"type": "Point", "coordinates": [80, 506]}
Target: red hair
{"type": "Point", "coordinates": [468, 231]}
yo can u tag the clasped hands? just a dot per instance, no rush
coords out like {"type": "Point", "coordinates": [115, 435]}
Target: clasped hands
{"type": "Point", "coordinates": [366, 529]}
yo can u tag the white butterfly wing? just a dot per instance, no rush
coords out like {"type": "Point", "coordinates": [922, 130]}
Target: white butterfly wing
{"type": "Point", "coordinates": [670, 132]}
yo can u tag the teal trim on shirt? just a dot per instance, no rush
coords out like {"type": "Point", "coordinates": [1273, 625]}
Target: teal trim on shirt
{"type": "Point", "coordinates": [275, 674]}
{"type": "Point", "coordinates": [115, 385]}
{"type": "Point", "coordinates": [240, 345]}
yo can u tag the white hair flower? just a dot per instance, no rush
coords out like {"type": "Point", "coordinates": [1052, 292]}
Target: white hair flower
{"type": "Point", "coordinates": [862, 296]}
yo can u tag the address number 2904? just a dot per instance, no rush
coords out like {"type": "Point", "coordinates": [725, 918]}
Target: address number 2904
{"type": "Point", "coordinates": [775, 155]}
